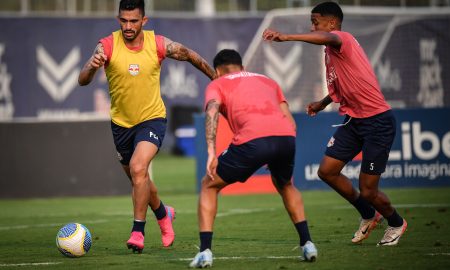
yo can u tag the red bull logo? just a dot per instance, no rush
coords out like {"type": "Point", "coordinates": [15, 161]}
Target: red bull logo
{"type": "Point", "coordinates": [133, 69]}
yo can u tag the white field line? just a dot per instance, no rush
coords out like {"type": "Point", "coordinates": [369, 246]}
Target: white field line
{"type": "Point", "coordinates": [240, 211]}
{"type": "Point", "coordinates": [19, 227]}
{"type": "Point", "coordinates": [244, 258]}
{"type": "Point", "coordinates": [231, 212]}
{"type": "Point", "coordinates": [237, 211]}
{"type": "Point", "coordinates": [438, 254]}
{"type": "Point", "coordinates": [410, 205]}
{"type": "Point", "coordinates": [28, 264]}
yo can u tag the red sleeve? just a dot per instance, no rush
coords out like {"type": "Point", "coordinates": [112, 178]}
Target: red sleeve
{"type": "Point", "coordinates": [346, 38]}
{"type": "Point", "coordinates": [212, 92]}
{"type": "Point", "coordinates": [107, 43]}
{"type": "Point", "coordinates": [160, 48]}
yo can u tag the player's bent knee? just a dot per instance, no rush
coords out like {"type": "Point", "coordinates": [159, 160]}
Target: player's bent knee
{"type": "Point", "coordinates": [137, 171]}
{"type": "Point", "coordinates": [281, 186]}
{"type": "Point", "coordinates": [217, 184]}
{"type": "Point", "coordinates": [325, 175]}
{"type": "Point", "coordinates": [369, 194]}
{"type": "Point", "coordinates": [206, 182]}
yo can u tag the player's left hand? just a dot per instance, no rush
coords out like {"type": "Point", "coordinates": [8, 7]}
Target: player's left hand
{"type": "Point", "coordinates": [211, 166]}
{"type": "Point", "coordinates": [313, 108]}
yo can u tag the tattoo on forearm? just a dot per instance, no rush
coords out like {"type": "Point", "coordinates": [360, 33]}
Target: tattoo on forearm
{"type": "Point", "coordinates": [99, 49]}
{"type": "Point", "coordinates": [179, 52]}
{"type": "Point", "coordinates": [211, 122]}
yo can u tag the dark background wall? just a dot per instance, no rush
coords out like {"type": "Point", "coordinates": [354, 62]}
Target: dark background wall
{"type": "Point", "coordinates": [59, 159]}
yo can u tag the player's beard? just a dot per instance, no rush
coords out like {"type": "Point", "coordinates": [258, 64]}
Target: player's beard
{"type": "Point", "coordinates": [126, 36]}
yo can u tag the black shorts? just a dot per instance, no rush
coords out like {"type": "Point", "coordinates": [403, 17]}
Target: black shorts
{"type": "Point", "coordinates": [239, 162]}
{"type": "Point", "coordinates": [373, 136]}
{"type": "Point", "coordinates": [126, 139]}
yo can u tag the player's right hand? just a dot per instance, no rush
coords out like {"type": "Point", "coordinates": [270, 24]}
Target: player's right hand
{"type": "Point", "coordinates": [313, 108]}
{"type": "Point", "coordinates": [211, 166]}
{"type": "Point", "coordinates": [98, 60]}
{"type": "Point", "coordinates": [272, 35]}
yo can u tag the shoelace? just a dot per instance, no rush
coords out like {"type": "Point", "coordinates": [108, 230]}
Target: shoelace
{"type": "Point", "coordinates": [389, 232]}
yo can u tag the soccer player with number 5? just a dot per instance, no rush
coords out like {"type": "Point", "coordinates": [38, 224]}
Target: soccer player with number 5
{"type": "Point", "coordinates": [369, 125]}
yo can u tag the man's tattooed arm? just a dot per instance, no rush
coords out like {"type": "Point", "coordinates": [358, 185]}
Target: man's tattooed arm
{"type": "Point", "coordinates": [180, 52]}
{"type": "Point", "coordinates": [211, 122]}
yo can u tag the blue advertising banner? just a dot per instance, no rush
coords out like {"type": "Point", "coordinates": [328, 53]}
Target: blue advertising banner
{"type": "Point", "coordinates": [420, 155]}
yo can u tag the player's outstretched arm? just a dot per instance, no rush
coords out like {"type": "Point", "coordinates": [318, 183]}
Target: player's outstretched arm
{"type": "Point", "coordinates": [96, 61]}
{"type": "Point", "coordinates": [316, 37]}
{"type": "Point", "coordinates": [180, 52]}
{"type": "Point", "coordinates": [315, 107]}
{"type": "Point", "coordinates": [211, 123]}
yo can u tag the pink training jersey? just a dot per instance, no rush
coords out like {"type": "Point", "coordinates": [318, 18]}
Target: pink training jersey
{"type": "Point", "coordinates": [351, 80]}
{"type": "Point", "coordinates": [108, 43]}
{"type": "Point", "coordinates": [251, 104]}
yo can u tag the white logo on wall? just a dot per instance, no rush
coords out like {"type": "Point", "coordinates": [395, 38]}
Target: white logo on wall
{"type": "Point", "coordinates": [285, 70]}
{"type": "Point", "coordinates": [178, 84]}
{"type": "Point", "coordinates": [6, 105]}
{"type": "Point", "coordinates": [389, 78]}
{"type": "Point", "coordinates": [431, 93]}
{"type": "Point", "coordinates": [58, 80]}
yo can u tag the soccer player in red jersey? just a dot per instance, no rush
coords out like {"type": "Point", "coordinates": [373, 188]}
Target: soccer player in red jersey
{"type": "Point", "coordinates": [369, 125]}
{"type": "Point", "coordinates": [264, 133]}
{"type": "Point", "coordinates": [132, 60]}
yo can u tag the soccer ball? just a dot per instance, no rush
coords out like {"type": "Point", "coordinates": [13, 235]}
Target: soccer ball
{"type": "Point", "coordinates": [73, 240]}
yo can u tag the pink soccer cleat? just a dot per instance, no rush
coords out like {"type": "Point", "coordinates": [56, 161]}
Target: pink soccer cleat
{"type": "Point", "coordinates": [136, 242]}
{"type": "Point", "coordinates": [165, 224]}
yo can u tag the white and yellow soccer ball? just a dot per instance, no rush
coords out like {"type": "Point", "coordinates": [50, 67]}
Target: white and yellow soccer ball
{"type": "Point", "coordinates": [73, 240]}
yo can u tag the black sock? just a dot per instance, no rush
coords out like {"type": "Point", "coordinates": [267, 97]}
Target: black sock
{"type": "Point", "coordinates": [364, 208]}
{"type": "Point", "coordinates": [303, 232]}
{"type": "Point", "coordinates": [205, 240]}
{"type": "Point", "coordinates": [160, 212]}
{"type": "Point", "coordinates": [139, 226]}
{"type": "Point", "coordinates": [395, 220]}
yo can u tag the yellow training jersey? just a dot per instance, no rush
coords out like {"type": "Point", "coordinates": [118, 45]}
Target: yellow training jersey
{"type": "Point", "coordinates": [134, 82]}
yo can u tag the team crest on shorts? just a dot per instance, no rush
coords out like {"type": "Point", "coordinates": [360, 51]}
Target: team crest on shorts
{"type": "Point", "coordinates": [330, 142]}
{"type": "Point", "coordinates": [133, 69]}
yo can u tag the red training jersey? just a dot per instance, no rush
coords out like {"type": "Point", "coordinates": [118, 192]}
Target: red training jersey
{"type": "Point", "coordinates": [351, 80]}
{"type": "Point", "coordinates": [251, 104]}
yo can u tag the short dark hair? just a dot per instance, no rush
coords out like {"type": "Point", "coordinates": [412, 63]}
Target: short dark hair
{"type": "Point", "coordinates": [227, 57]}
{"type": "Point", "coordinates": [132, 5]}
{"type": "Point", "coordinates": [329, 8]}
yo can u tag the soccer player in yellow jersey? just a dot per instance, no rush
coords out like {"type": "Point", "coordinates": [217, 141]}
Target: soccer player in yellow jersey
{"type": "Point", "coordinates": [132, 61]}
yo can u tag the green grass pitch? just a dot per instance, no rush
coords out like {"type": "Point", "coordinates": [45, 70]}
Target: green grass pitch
{"type": "Point", "coordinates": [251, 232]}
